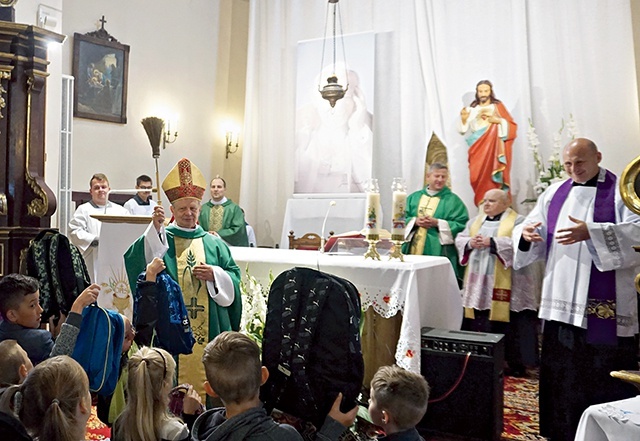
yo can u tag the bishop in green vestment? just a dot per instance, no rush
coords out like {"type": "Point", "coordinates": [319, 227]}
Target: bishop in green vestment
{"type": "Point", "coordinates": [223, 217]}
{"type": "Point", "coordinates": [200, 262]}
{"type": "Point", "coordinates": [439, 216]}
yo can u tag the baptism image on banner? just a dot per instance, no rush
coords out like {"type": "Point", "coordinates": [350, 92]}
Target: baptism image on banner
{"type": "Point", "coordinates": [334, 145]}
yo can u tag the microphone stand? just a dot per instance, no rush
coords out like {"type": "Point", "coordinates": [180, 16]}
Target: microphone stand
{"type": "Point", "coordinates": [324, 224]}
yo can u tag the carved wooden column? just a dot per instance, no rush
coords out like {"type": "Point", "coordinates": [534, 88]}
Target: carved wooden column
{"type": "Point", "coordinates": [26, 202]}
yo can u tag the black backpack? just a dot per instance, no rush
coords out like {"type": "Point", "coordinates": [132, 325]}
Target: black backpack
{"type": "Point", "coordinates": [60, 269]}
{"type": "Point", "coordinates": [311, 344]}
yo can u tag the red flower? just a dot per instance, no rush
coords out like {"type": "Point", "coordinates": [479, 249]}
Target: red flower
{"type": "Point", "coordinates": [386, 299]}
{"type": "Point", "coordinates": [409, 353]}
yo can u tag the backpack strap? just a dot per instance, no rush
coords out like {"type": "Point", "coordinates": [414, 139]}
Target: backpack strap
{"type": "Point", "coordinates": [290, 308]}
{"type": "Point", "coordinates": [307, 328]}
{"type": "Point", "coordinates": [350, 293]}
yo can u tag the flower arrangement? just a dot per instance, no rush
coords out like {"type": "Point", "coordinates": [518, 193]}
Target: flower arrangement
{"type": "Point", "coordinates": [553, 170]}
{"type": "Point", "coordinates": [254, 306]}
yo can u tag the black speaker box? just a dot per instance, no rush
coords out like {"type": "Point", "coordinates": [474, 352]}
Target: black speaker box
{"type": "Point", "coordinates": [474, 408]}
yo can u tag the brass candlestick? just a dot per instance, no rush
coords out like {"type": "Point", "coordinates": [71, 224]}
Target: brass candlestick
{"type": "Point", "coordinates": [396, 251]}
{"type": "Point", "coordinates": [372, 251]}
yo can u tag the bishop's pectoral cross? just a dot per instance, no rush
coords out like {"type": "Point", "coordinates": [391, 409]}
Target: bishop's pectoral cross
{"type": "Point", "coordinates": [194, 308]}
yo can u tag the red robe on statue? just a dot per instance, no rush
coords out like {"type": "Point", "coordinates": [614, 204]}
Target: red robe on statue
{"type": "Point", "coordinates": [490, 157]}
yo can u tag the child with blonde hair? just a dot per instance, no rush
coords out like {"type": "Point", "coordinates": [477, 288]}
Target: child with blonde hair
{"type": "Point", "coordinates": [146, 416]}
{"type": "Point", "coordinates": [14, 363]}
{"type": "Point", "coordinates": [398, 402]}
{"type": "Point", "coordinates": [53, 403]}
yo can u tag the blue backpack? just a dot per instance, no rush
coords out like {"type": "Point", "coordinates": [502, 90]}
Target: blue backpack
{"type": "Point", "coordinates": [99, 347]}
{"type": "Point", "coordinates": [160, 315]}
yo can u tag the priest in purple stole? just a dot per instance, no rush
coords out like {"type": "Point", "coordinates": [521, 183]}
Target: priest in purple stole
{"type": "Point", "coordinates": [584, 231]}
{"type": "Point", "coordinates": [200, 262]}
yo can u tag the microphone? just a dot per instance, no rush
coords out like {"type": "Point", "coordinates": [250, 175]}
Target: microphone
{"type": "Point", "coordinates": [324, 223]}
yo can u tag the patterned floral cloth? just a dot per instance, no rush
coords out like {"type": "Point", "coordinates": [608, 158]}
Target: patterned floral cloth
{"type": "Point", "coordinates": [96, 429]}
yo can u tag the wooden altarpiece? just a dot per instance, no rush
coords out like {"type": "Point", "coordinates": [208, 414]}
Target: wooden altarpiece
{"type": "Point", "coordinates": [26, 202]}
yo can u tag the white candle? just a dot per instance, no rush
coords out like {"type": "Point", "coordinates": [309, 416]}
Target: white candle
{"type": "Point", "coordinates": [371, 217]}
{"type": "Point", "coordinates": [399, 206]}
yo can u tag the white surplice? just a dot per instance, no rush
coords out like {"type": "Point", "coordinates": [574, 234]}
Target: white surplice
{"type": "Point", "coordinates": [83, 230]}
{"type": "Point", "coordinates": [479, 279]}
{"type": "Point", "coordinates": [136, 209]}
{"type": "Point", "coordinates": [566, 280]}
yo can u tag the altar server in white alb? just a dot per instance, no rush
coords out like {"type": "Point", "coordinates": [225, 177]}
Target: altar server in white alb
{"type": "Point", "coordinates": [142, 204]}
{"type": "Point", "coordinates": [584, 231]}
{"type": "Point", "coordinates": [85, 230]}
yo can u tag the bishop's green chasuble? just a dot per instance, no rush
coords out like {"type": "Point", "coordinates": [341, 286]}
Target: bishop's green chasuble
{"type": "Point", "coordinates": [207, 318]}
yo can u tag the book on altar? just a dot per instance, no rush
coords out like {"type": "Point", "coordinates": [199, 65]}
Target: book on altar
{"type": "Point", "coordinates": [354, 242]}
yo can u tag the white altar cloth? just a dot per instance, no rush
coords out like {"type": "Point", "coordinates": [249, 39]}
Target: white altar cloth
{"type": "Point", "coordinates": [614, 421]}
{"type": "Point", "coordinates": [423, 288]}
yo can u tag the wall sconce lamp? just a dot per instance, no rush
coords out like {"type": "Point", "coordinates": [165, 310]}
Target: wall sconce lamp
{"type": "Point", "coordinates": [170, 133]}
{"type": "Point", "coordinates": [230, 147]}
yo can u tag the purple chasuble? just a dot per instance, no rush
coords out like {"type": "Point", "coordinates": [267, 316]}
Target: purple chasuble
{"type": "Point", "coordinates": [601, 302]}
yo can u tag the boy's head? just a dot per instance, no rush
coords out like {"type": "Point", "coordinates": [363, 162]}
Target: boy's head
{"type": "Point", "coordinates": [233, 368]}
{"type": "Point", "coordinates": [14, 363]}
{"type": "Point", "coordinates": [398, 398]}
{"type": "Point", "coordinates": [19, 300]}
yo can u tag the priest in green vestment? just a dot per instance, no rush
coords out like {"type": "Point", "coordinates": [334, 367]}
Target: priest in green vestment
{"type": "Point", "coordinates": [200, 262]}
{"type": "Point", "coordinates": [223, 217]}
{"type": "Point", "coordinates": [439, 216]}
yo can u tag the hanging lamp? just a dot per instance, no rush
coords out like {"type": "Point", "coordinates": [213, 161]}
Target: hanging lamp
{"type": "Point", "coordinates": [332, 91]}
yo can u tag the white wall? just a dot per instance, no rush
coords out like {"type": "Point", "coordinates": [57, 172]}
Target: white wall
{"type": "Point", "coordinates": [172, 65]}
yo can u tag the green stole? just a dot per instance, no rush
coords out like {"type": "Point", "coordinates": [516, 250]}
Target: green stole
{"type": "Point", "coordinates": [426, 207]}
{"type": "Point", "coordinates": [216, 213]}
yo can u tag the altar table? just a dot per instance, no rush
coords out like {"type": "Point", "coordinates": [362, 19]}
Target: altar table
{"type": "Point", "coordinates": [614, 421]}
{"type": "Point", "coordinates": [423, 288]}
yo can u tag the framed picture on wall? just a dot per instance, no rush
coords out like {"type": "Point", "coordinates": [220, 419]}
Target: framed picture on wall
{"type": "Point", "coordinates": [100, 70]}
